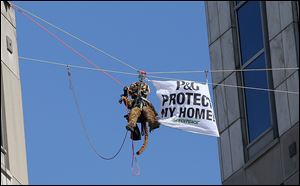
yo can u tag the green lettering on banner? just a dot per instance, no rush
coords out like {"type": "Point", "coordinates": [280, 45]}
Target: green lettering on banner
{"type": "Point", "coordinates": [186, 121]}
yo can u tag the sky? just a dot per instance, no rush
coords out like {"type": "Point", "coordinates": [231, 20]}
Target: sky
{"type": "Point", "coordinates": [153, 36]}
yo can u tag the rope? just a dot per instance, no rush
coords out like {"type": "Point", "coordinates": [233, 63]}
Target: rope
{"type": "Point", "coordinates": [159, 77]}
{"type": "Point", "coordinates": [146, 139]}
{"type": "Point", "coordinates": [73, 66]}
{"type": "Point", "coordinates": [136, 74]}
{"type": "Point", "coordinates": [233, 86]}
{"type": "Point", "coordinates": [216, 71]}
{"type": "Point", "coordinates": [75, 37]}
{"type": "Point", "coordinates": [69, 47]}
{"type": "Point", "coordinates": [134, 163]}
{"type": "Point", "coordinates": [22, 10]}
{"type": "Point", "coordinates": [71, 86]}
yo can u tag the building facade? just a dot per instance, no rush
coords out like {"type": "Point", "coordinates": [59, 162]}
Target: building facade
{"type": "Point", "coordinates": [13, 149]}
{"type": "Point", "coordinates": [259, 130]}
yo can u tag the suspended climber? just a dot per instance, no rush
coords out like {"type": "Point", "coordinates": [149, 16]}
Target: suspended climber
{"type": "Point", "coordinates": [141, 110]}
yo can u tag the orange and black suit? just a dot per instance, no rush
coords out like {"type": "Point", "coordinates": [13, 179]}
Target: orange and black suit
{"type": "Point", "coordinates": [139, 106]}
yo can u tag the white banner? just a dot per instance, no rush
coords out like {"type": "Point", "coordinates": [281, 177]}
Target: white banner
{"type": "Point", "coordinates": [186, 105]}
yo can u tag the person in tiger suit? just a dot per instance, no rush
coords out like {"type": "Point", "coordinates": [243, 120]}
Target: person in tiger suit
{"type": "Point", "coordinates": [139, 105]}
{"type": "Point", "coordinates": [141, 110]}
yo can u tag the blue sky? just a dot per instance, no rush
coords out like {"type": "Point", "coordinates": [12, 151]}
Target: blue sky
{"type": "Point", "coordinates": [154, 36]}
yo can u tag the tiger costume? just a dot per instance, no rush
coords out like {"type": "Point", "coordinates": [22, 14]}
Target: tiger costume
{"type": "Point", "coordinates": [141, 110]}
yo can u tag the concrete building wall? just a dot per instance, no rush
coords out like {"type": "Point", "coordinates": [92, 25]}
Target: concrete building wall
{"type": "Point", "coordinates": [13, 148]}
{"type": "Point", "coordinates": [269, 159]}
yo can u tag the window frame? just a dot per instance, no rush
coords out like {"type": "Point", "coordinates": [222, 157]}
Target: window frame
{"type": "Point", "coordinates": [255, 146]}
{"type": "Point", "coordinates": [251, 59]}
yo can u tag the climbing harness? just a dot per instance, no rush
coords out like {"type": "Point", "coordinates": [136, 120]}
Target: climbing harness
{"type": "Point", "coordinates": [138, 92]}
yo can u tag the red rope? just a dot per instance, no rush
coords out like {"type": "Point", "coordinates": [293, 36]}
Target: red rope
{"type": "Point", "coordinates": [134, 163]}
{"type": "Point", "coordinates": [69, 47]}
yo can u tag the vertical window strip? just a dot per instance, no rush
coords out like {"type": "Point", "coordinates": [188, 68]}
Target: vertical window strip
{"type": "Point", "coordinates": [255, 54]}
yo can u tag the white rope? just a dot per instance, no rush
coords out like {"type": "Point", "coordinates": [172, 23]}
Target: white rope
{"type": "Point", "coordinates": [149, 76]}
{"type": "Point", "coordinates": [255, 88]}
{"type": "Point", "coordinates": [77, 38]}
{"type": "Point", "coordinates": [124, 63]}
{"type": "Point", "coordinates": [175, 72]}
{"type": "Point", "coordinates": [214, 71]}
{"type": "Point", "coordinates": [74, 66]}
{"type": "Point", "coordinates": [233, 86]}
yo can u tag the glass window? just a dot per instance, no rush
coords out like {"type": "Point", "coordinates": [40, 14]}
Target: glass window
{"type": "Point", "coordinates": [250, 30]}
{"type": "Point", "coordinates": [2, 144]}
{"type": "Point", "coordinates": [4, 156]}
{"type": "Point", "coordinates": [2, 115]}
{"type": "Point", "coordinates": [257, 101]}
{"type": "Point", "coordinates": [252, 52]}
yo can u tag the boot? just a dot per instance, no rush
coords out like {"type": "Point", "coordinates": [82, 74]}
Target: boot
{"type": "Point", "coordinates": [130, 128]}
{"type": "Point", "coordinates": [154, 126]}
{"type": "Point", "coordinates": [136, 135]}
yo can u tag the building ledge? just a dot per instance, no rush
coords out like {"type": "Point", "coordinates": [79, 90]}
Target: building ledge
{"type": "Point", "coordinates": [3, 151]}
{"type": "Point", "coordinates": [262, 152]}
{"type": "Point", "coordinates": [6, 172]}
